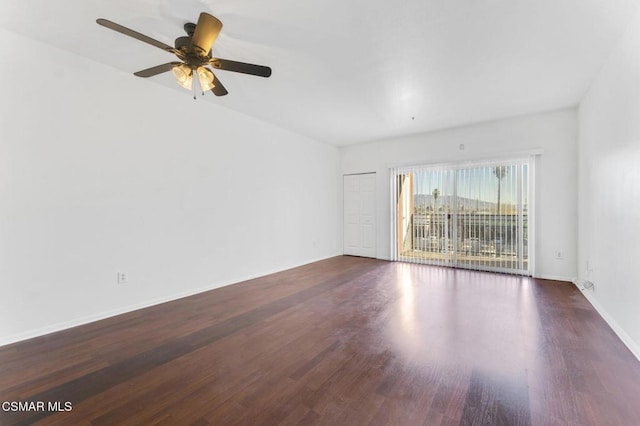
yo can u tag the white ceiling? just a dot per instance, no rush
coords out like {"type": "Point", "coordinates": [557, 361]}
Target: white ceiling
{"type": "Point", "coordinates": [353, 71]}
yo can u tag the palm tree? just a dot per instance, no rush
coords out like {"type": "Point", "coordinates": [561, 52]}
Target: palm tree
{"type": "Point", "coordinates": [436, 194]}
{"type": "Point", "coordinates": [500, 172]}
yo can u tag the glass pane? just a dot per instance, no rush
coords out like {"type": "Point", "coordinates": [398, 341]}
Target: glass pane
{"type": "Point", "coordinates": [430, 217]}
{"type": "Point", "coordinates": [488, 217]}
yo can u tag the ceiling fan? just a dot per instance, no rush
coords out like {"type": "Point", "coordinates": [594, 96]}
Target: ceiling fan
{"type": "Point", "coordinates": [194, 53]}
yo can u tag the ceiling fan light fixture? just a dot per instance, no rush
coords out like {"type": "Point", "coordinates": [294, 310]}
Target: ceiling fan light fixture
{"type": "Point", "coordinates": [205, 77]}
{"type": "Point", "coordinates": [184, 75]}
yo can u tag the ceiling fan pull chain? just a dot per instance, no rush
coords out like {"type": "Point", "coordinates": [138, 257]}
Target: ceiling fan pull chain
{"type": "Point", "coordinates": [195, 82]}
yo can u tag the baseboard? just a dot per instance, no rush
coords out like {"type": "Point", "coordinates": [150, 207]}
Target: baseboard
{"type": "Point", "coordinates": [18, 337]}
{"type": "Point", "coordinates": [626, 339]}
{"type": "Point", "coordinates": [554, 278]}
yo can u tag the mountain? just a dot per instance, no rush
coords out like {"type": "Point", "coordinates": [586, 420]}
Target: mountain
{"type": "Point", "coordinates": [426, 200]}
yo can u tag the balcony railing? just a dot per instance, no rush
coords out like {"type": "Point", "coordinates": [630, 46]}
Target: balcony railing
{"type": "Point", "coordinates": [479, 239]}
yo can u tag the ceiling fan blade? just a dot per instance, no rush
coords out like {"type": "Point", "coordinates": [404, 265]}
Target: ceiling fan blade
{"type": "Point", "coordinates": [126, 31]}
{"type": "Point", "coordinates": [218, 89]}
{"type": "Point", "coordinates": [158, 69]}
{"type": "Point", "coordinates": [227, 65]}
{"type": "Point", "coordinates": [206, 32]}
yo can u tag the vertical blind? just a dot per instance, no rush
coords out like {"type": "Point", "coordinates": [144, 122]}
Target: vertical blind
{"type": "Point", "coordinates": [468, 215]}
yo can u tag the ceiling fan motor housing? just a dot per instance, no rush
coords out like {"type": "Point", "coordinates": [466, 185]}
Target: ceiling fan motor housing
{"type": "Point", "coordinates": [193, 55]}
{"type": "Point", "coordinates": [183, 43]}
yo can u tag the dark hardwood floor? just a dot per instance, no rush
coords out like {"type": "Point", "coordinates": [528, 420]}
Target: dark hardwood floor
{"type": "Point", "coordinates": [343, 341]}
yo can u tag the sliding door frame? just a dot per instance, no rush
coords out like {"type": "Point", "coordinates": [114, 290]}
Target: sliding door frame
{"type": "Point", "coordinates": [451, 259]}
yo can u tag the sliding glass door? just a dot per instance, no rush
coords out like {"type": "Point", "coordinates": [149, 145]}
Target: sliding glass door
{"type": "Point", "coordinates": [465, 215]}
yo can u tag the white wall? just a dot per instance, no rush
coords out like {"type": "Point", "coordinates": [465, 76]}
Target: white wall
{"type": "Point", "coordinates": [101, 172]}
{"type": "Point", "coordinates": [556, 191]}
{"type": "Point", "coordinates": [609, 189]}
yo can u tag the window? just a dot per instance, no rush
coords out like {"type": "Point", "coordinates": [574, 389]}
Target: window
{"type": "Point", "coordinates": [468, 215]}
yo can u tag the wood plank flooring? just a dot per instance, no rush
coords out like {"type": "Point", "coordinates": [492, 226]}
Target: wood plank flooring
{"type": "Point", "coordinates": [344, 341]}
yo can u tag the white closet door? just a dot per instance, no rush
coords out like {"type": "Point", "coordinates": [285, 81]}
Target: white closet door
{"type": "Point", "coordinates": [359, 215]}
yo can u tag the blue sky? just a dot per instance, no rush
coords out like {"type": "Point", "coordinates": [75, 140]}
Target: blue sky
{"type": "Point", "coordinates": [474, 182]}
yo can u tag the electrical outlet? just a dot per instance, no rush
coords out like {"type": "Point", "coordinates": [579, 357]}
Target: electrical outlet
{"type": "Point", "coordinates": [558, 255]}
{"type": "Point", "coordinates": [122, 277]}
